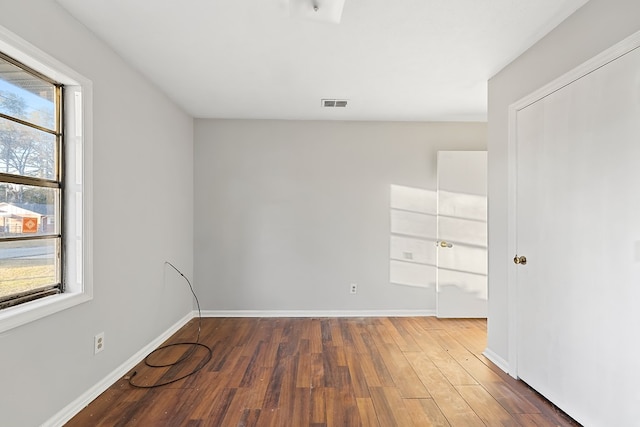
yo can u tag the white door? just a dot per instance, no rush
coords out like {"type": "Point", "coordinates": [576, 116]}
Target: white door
{"type": "Point", "coordinates": [462, 234]}
{"type": "Point", "coordinates": [578, 225]}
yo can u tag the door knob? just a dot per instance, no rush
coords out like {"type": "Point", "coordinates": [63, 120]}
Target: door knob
{"type": "Point", "coordinates": [444, 244]}
{"type": "Point", "coordinates": [521, 260]}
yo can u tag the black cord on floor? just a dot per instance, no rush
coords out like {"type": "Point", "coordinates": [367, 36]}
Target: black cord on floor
{"type": "Point", "coordinates": [192, 344]}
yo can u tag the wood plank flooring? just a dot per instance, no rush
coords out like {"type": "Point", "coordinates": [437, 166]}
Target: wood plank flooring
{"type": "Point", "coordinates": [416, 371]}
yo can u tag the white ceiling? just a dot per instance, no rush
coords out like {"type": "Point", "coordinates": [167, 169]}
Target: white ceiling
{"type": "Point", "coordinates": [417, 60]}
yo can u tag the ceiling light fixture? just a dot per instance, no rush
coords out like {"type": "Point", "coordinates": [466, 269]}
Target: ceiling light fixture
{"type": "Point", "coordinates": [317, 10]}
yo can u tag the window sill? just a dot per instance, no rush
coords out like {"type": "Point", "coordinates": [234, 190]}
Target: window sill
{"type": "Point", "coordinates": [24, 313]}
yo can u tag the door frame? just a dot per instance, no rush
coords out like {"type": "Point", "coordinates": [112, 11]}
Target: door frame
{"type": "Point", "coordinates": [616, 51]}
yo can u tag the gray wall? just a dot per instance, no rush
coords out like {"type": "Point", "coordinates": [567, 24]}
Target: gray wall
{"type": "Point", "coordinates": [288, 214]}
{"type": "Point", "coordinates": [143, 207]}
{"type": "Point", "coordinates": [592, 29]}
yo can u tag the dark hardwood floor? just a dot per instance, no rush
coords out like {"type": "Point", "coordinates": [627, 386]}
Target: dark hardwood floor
{"type": "Point", "coordinates": [417, 371]}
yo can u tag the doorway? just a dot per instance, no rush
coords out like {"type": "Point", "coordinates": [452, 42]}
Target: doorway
{"type": "Point", "coordinates": [461, 284]}
{"type": "Point", "coordinates": [439, 237]}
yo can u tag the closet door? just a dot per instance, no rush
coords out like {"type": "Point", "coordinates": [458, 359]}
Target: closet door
{"type": "Point", "coordinates": [578, 226]}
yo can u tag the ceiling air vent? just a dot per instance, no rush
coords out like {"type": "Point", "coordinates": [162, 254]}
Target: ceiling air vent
{"type": "Point", "coordinates": [327, 103]}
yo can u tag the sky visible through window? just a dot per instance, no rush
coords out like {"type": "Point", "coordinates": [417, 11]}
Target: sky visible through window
{"type": "Point", "coordinates": [34, 103]}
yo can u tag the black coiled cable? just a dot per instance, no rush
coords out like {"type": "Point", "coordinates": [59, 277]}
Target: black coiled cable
{"type": "Point", "coordinates": [193, 346]}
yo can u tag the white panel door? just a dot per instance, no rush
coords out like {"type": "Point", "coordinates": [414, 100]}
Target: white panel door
{"type": "Point", "coordinates": [462, 234]}
{"type": "Point", "coordinates": [578, 225]}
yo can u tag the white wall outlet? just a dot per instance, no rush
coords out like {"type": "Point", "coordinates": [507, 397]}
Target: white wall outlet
{"type": "Point", "coordinates": [353, 288]}
{"type": "Point", "coordinates": [98, 343]}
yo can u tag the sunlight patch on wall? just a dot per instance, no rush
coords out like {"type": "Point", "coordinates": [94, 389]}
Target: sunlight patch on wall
{"type": "Point", "coordinates": [413, 236]}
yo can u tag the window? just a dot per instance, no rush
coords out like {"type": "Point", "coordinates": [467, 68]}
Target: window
{"type": "Point", "coordinates": [45, 184]}
{"type": "Point", "coordinates": [31, 205]}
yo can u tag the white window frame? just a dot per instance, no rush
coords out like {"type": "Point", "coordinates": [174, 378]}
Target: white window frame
{"type": "Point", "coordinates": [78, 228]}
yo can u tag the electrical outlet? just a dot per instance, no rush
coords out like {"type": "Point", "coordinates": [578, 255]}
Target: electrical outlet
{"type": "Point", "coordinates": [98, 343]}
{"type": "Point", "coordinates": [354, 288]}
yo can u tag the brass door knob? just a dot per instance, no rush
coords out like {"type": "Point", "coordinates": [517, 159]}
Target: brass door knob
{"type": "Point", "coordinates": [521, 260]}
{"type": "Point", "coordinates": [444, 244]}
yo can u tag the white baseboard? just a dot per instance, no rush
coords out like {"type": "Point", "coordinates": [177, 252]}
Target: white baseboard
{"type": "Point", "coordinates": [317, 313]}
{"type": "Point", "coordinates": [87, 397]}
{"type": "Point", "coordinates": [497, 360]}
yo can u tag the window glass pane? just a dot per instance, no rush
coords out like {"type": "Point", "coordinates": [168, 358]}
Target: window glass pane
{"type": "Point", "coordinates": [26, 210]}
{"type": "Point", "coordinates": [27, 266]}
{"type": "Point", "coordinates": [26, 97]}
{"type": "Point", "coordinates": [26, 151]}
